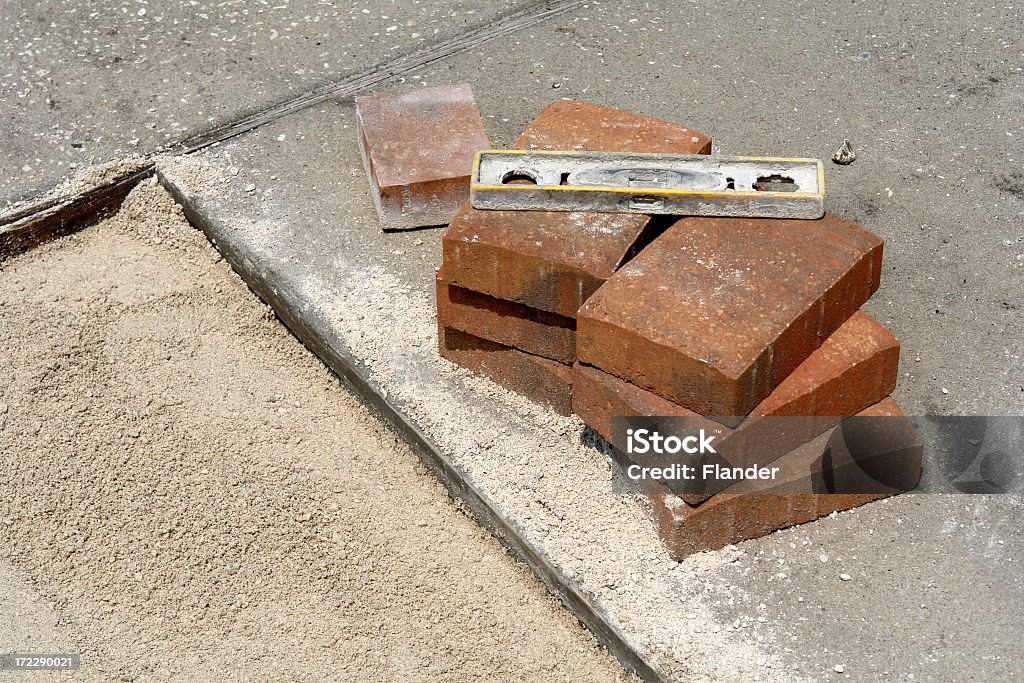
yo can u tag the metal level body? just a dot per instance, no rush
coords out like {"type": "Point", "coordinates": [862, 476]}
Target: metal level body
{"type": "Point", "coordinates": [679, 184]}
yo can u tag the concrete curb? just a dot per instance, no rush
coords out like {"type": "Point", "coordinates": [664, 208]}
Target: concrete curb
{"type": "Point", "coordinates": [317, 337]}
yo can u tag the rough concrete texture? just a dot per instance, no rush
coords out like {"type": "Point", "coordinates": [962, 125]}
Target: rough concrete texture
{"type": "Point", "coordinates": [528, 329]}
{"type": "Point", "coordinates": [90, 82]}
{"type": "Point", "coordinates": [748, 510]}
{"type": "Point", "coordinates": [716, 312]}
{"type": "Point", "coordinates": [418, 147]}
{"type": "Point", "coordinates": [189, 495]}
{"type": "Point", "coordinates": [539, 259]}
{"type": "Point", "coordinates": [763, 611]}
{"type": "Point", "coordinates": [541, 380]}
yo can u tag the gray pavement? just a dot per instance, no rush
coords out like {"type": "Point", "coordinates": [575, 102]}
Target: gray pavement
{"type": "Point", "coordinates": [87, 82]}
{"type": "Point", "coordinates": [919, 587]}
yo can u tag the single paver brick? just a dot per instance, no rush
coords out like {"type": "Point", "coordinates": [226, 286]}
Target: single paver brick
{"type": "Point", "coordinates": [539, 379]}
{"type": "Point", "coordinates": [716, 312]}
{"type": "Point", "coordinates": [418, 148]}
{"type": "Point", "coordinates": [554, 261]}
{"type": "Point", "coordinates": [737, 515]}
{"type": "Point", "coordinates": [527, 329]}
{"type": "Point", "coordinates": [853, 369]}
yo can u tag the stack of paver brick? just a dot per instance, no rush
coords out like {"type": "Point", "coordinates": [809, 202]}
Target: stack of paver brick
{"type": "Point", "coordinates": [725, 321]}
{"type": "Point", "coordinates": [512, 281]}
{"type": "Point", "coordinates": [743, 318]}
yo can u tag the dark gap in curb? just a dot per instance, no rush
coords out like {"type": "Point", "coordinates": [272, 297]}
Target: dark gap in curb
{"type": "Point", "coordinates": [42, 223]}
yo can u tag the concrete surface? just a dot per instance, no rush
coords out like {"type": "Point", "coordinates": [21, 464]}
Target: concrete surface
{"type": "Point", "coordinates": [86, 82]}
{"type": "Point", "coordinates": [943, 566]}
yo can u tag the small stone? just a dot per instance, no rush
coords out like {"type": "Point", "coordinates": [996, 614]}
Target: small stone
{"type": "Point", "coordinates": [839, 668]}
{"type": "Point", "coordinates": [823, 557]}
{"type": "Point", "coordinates": [845, 577]}
{"type": "Point", "coordinates": [845, 155]}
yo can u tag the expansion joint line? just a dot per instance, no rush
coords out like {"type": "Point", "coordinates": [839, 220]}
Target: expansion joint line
{"type": "Point", "coordinates": [55, 210]}
{"type": "Point", "coordinates": [383, 71]}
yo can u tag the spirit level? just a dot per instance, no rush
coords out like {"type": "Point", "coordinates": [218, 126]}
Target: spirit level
{"type": "Point", "coordinates": [680, 184]}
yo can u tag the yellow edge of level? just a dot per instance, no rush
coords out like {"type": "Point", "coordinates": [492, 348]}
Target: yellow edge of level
{"type": "Point", "coordinates": [646, 191]}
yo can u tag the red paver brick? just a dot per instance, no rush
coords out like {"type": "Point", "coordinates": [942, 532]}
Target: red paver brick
{"type": "Point", "coordinates": [598, 397]}
{"type": "Point", "coordinates": [855, 368]}
{"type": "Point", "coordinates": [716, 312]}
{"type": "Point", "coordinates": [872, 453]}
{"type": "Point", "coordinates": [418, 148]}
{"type": "Point", "coordinates": [737, 515]}
{"type": "Point", "coordinates": [527, 329]}
{"type": "Point", "coordinates": [539, 379]}
{"type": "Point", "coordinates": [553, 261]}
